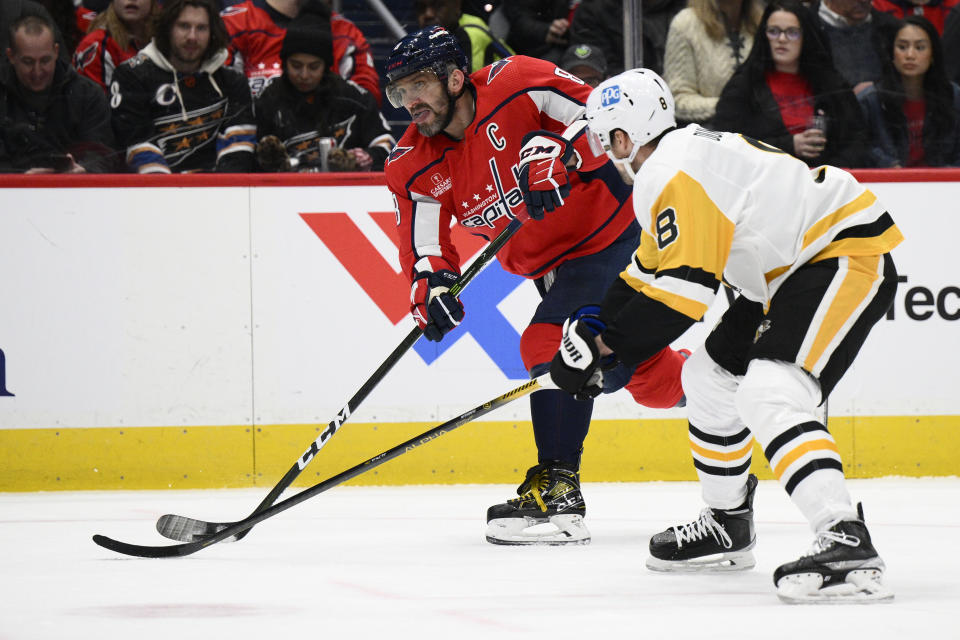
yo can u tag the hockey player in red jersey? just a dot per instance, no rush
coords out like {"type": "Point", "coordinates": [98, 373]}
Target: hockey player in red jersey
{"type": "Point", "coordinates": [257, 28]}
{"type": "Point", "coordinates": [481, 149]}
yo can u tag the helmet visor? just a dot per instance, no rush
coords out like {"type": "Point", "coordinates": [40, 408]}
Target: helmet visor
{"type": "Point", "coordinates": [408, 89]}
{"type": "Point", "coordinates": [596, 144]}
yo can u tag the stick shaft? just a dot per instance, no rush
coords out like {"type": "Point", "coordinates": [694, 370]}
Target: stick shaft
{"type": "Point", "coordinates": [172, 526]}
{"type": "Point", "coordinates": [259, 516]}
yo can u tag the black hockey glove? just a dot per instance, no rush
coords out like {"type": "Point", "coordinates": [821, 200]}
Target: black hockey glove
{"type": "Point", "coordinates": [543, 173]}
{"type": "Point", "coordinates": [578, 368]}
{"type": "Point", "coordinates": [434, 308]}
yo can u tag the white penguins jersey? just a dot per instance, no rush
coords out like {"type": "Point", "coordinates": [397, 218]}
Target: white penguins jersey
{"type": "Point", "coordinates": [718, 206]}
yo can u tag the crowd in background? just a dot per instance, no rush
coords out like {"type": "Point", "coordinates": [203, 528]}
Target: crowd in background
{"type": "Point", "coordinates": [165, 86]}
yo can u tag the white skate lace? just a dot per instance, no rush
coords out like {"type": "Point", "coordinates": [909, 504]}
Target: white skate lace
{"type": "Point", "coordinates": [700, 528]}
{"type": "Point", "coordinates": [826, 539]}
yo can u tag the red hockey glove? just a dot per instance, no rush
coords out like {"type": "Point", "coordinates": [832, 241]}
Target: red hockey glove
{"type": "Point", "coordinates": [576, 367]}
{"type": "Point", "coordinates": [434, 308]}
{"type": "Point", "coordinates": [543, 173]}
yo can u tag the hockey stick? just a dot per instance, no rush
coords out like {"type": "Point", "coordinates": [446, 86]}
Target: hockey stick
{"type": "Point", "coordinates": [186, 529]}
{"type": "Point", "coordinates": [237, 528]}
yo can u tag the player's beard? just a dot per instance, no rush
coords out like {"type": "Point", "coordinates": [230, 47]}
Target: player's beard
{"type": "Point", "coordinates": [443, 117]}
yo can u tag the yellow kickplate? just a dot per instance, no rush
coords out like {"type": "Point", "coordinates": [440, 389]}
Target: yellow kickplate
{"type": "Point", "coordinates": [481, 452]}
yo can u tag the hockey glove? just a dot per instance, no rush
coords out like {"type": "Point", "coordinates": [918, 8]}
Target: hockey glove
{"type": "Point", "coordinates": [434, 308]}
{"type": "Point", "coordinates": [543, 173]}
{"type": "Point", "coordinates": [576, 367]}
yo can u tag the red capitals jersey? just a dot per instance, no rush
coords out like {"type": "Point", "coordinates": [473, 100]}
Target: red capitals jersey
{"type": "Point", "coordinates": [84, 18]}
{"type": "Point", "coordinates": [935, 11]}
{"type": "Point", "coordinates": [256, 36]}
{"type": "Point", "coordinates": [98, 55]}
{"type": "Point", "coordinates": [473, 181]}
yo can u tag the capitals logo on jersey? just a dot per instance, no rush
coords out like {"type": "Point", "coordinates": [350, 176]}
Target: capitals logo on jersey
{"type": "Point", "coordinates": [496, 68]}
{"type": "Point", "coordinates": [398, 152]}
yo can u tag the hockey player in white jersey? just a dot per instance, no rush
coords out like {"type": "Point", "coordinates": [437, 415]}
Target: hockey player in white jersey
{"type": "Point", "coordinates": [808, 252]}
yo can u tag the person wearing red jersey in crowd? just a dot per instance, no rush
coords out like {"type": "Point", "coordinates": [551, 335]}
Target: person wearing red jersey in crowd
{"type": "Point", "coordinates": [115, 35]}
{"type": "Point", "coordinates": [480, 147]}
{"type": "Point", "coordinates": [935, 11]}
{"type": "Point", "coordinates": [257, 28]}
{"type": "Point", "coordinates": [87, 11]}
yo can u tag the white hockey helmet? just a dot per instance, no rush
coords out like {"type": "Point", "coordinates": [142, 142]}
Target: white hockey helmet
{"type": "Point", "coordinates": [637, 101]}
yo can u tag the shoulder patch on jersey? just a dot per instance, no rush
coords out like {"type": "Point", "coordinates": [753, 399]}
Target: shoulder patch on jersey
{"type": "Point", "coordinates": [441, 184]}
{"type": "Point", "coordinates": [82, 58]}
{"type": "Point", "coordinates": [232, 11]}
{"type": "Point", "coordinates": [496, 68]}
{"type": "Point", "coordinates": [398, 152]}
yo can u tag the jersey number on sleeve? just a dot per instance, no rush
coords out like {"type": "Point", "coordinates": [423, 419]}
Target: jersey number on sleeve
{"type": "Point", "coordinates": [667, 231]}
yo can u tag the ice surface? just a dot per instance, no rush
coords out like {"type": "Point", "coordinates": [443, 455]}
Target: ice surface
{"type": "Point", "coordinates": [398, 562]}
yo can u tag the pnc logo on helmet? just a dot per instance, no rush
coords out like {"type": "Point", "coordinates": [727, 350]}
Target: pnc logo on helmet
{"type": "Point", "coordinates": [610, 95]}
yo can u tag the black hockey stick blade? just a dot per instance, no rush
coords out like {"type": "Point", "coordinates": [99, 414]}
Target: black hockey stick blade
{"type": "Point", "coordinates": [184, 529]}
{"type": "Point", "coordinates": [187, 548]}
{"type": "Point", "coordinates": [187, 529]}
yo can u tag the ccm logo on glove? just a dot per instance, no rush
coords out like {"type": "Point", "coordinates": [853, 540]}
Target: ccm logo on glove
{"type": "Point", "coordinates": [434, 308]}
{"type": "Point", "coordinates": [543, 176]}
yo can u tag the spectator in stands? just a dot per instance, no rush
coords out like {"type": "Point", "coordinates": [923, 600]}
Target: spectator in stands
{"type": "Point", "coordinates": [539, 28]}
{"type": "Point", "coordinates": [600, 23]}
{"type": "Point", "coordinates": [311, 119]}
{"type": "Point", "coordinates": [857, 35]}
{"type": "Point", "coordinates": [586, 62]}
{"type": "Point", "coordinates": [951, 44]}
{"type": "Point", "coordinates": [87, 11]}
{"type": "Point", "coordinates": [256, 29]}
{"type": "Point", "coordinates": [64, 15]}
{"type": "Point", "coordinates": [481, 46]}
{"type": "Point", "coordinates": [115, 35]}
{"type": "Point", "coordinates": [175, 106]}
{"type": "Point", "coordinates": [933, 10]}
{"type": "Point", "coordinates": [706, 43]}
{"type": "Point", "coordinates": [914, 111]}
{"type": "Point", "coordinates": [788, 94]}
{"type": "Point", "coordinates": [51, 118]}
{"type": "Point", "coordinates": [481, 8]}
{"type": "Point", "coordinates": [11, 10]}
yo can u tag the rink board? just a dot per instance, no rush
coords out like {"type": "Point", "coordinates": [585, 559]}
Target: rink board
{"type": "Point", "coordinates": [200, 331]}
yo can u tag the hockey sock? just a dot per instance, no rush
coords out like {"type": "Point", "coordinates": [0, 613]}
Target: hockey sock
{"type": "Point", "coordinates": [560, 425]}
{"type": "Point", "coordinates": [777, 401]}
{"type": "Point", "coordinates": [656, 382]}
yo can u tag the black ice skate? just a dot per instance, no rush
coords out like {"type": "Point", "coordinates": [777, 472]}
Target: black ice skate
{"type": "Point", "coordinates": [842, 567]}
{"type": "Point", "coordinates": [719, 540]}
{"type": "Point", "coordinates": [550, 495]}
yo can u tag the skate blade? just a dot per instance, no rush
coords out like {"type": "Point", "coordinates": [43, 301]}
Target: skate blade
{"type": "Point", "coordinates": [567, 529]}
{"type": "Point", "coordinates": [861, 587]}
{"type": "Point", "coordinates": [718, 562]}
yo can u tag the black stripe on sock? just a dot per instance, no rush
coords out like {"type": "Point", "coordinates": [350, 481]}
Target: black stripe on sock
{"type": "Point", "coordinates": [810, 467]}
{"type": "Point", "coordinates": [723, 471]}
{"type": "Point", "coordinates": [793, 432]}
{"type": "Point", "coordinates": [720, 441]}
